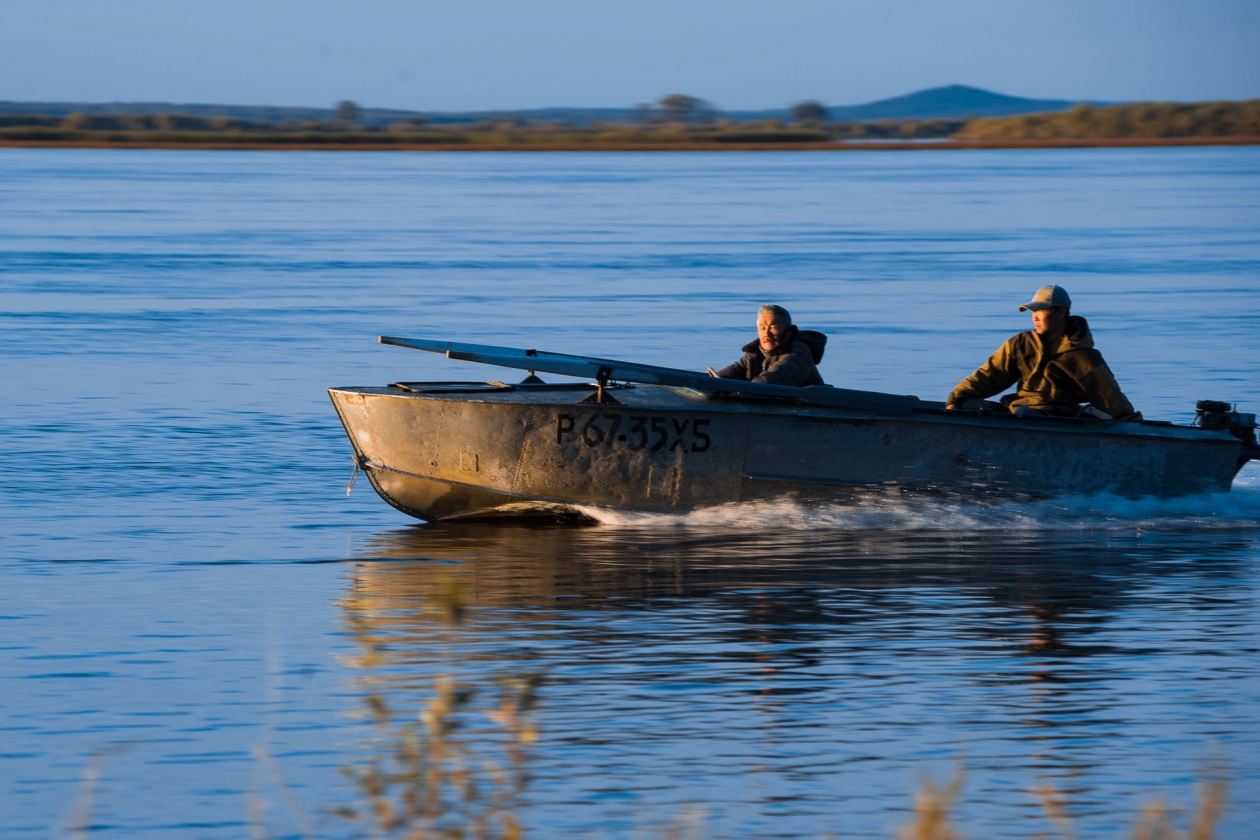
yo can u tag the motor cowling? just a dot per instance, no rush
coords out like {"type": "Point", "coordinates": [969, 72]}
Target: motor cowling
{"type": "Point", "coordinates": [1214, 414]}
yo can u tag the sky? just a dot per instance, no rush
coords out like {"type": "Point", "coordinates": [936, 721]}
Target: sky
{"type": "Point", "coordinates": [434, 55]}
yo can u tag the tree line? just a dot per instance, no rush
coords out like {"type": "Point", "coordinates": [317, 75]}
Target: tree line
{"type": "Point", "coordinates": [674, 119]}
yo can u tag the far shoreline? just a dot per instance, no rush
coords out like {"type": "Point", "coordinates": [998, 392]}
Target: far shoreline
{"type": "Point", "coordinates": [826, 146]}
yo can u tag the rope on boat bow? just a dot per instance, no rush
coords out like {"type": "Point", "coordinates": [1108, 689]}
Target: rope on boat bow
{"type": "Point", "coordinates": [354, 474]}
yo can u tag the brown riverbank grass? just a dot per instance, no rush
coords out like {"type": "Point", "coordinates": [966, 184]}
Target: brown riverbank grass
{"type": "Point", "coordinates": [1139, 119]}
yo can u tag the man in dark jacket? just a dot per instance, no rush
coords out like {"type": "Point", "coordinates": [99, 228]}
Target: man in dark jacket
{"type": "Point", "coordinates": [781, 355]}
{"type": "Point", "coordinates": [1055, 364]}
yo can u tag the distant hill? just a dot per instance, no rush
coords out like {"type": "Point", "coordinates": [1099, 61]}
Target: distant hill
{"type": "Point", "coordinates": [950, 102]}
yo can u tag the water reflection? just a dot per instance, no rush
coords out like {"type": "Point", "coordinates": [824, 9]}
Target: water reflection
{"type": "Point", "coordinates": [806, 676]}
{"type": "Point", "coordinates": [787, 583]}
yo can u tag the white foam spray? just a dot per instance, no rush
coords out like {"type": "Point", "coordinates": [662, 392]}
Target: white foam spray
{"type": "Point", "coordinates": [1239, 509]}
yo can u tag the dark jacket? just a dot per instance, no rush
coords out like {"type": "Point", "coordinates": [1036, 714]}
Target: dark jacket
{"type": "Point", "coordinates": [793, 362]}
{"type": "Point", "coordinates": [1055, 380]}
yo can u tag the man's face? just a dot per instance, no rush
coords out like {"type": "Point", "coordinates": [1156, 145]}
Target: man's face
{"type": "Point", "coordinates": [1051, 322]}
{"type": "Point", "coordinates": [769, 331]}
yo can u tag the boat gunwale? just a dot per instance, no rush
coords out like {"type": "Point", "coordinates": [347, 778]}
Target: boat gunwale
{"type": "Point", "coordinates": [1158, 430]}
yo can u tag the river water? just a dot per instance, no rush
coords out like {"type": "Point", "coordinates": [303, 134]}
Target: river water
{"type": "Point", "coordinates": [193, 607]}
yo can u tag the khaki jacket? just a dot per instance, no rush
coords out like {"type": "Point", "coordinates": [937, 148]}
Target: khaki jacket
{"type": "Point", "coordinates": [1054, 380]}
{"type": "Point", "coordinates": [791, 363]}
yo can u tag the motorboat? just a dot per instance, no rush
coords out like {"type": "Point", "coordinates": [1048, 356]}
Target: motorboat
{"type": "Point", "coordinates": [648, 438]}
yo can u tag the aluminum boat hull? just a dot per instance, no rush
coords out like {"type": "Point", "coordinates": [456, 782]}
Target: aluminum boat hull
{"type": "Point", "coordinates": [447, 452]}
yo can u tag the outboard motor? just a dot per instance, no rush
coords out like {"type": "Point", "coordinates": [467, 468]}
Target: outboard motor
{"type": "Point", "coordinates": [1214, 414]}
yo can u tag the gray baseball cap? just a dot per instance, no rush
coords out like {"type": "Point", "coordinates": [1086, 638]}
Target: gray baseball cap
{"type": "Point", "coordinates": [1047, 297]}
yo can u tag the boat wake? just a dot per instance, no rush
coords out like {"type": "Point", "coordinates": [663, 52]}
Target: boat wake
{"type": "Point", "coordinates": [1239, 509]}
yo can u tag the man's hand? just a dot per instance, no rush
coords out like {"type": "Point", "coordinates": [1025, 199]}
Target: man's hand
{"type": "Point", "coordinates": [950, 407]}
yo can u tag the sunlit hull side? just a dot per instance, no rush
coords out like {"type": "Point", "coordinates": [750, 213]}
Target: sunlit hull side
{"type": "Point", "coordinates": [447, 452]}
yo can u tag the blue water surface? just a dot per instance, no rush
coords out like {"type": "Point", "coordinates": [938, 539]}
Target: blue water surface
{"type": "Point", "coordinates": [186, 583]}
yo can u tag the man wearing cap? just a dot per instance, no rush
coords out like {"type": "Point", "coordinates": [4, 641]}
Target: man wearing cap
{"type": "Point", "coordinates": [1055, 365]}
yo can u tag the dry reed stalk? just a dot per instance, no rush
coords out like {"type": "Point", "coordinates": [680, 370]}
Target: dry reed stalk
{"type": "Point", "coordinates": [80, 821]}
{"type": "Point", "coordinates": [932, 807]}
{"type": "Point", "coordinates": [427, 779]}
{"type": "Point", "coordinates": [1211, 805]}
{"type": "Point", "coordinates": [1155, 821]}
{"type": "Point", "coordinates": [1054, 802]}
{"type": "Point", "coordinates": [299, 814]}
